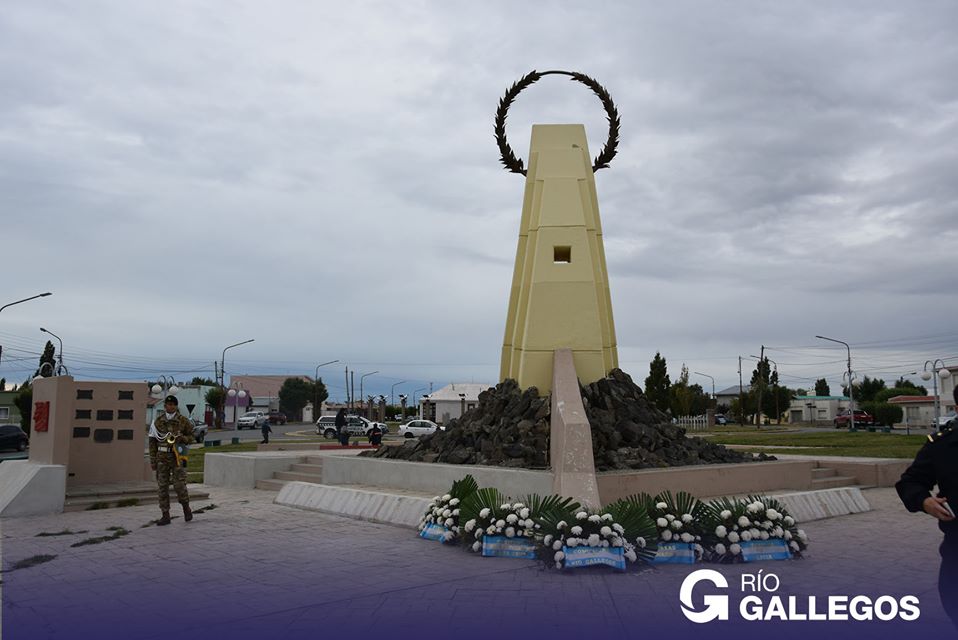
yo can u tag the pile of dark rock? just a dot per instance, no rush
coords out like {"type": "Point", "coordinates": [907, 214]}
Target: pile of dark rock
{"type": "Point", "coordinates": [510, 428]}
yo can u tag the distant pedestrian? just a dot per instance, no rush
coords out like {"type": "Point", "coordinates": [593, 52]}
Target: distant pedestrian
{"type": "Point", "coordinates": [376, 435]}
{"type": "Point", "coordinates": [266, 431]}
{"type": "Point", "coordinates": [341, 430]}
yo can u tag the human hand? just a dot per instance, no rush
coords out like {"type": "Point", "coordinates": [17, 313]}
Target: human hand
{"type": "Point", "coordinates": [935, 507]}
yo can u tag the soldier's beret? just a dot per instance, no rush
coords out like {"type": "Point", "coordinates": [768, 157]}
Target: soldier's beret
{"type": "Point", "coordinates": [171, 400]}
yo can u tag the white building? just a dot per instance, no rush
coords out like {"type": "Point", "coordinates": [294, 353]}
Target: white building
{"type": "Point", "coordinates": [448, 403]}
{"type": "Point", "coordinates": [816, 409]}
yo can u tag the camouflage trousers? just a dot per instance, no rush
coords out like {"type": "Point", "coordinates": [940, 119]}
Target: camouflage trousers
{"type": "Point", "coordinates": [166, 473]}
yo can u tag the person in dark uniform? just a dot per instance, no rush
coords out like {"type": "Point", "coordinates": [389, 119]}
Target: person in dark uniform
{"type": "Point", "coordinates": [341, 430]}
{"type": "Point", "coordinates": [937, 464]}
{"type": "Point", "coordinates": [376, 435]}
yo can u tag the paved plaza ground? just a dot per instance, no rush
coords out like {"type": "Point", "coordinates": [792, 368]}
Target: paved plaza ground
{"type": "Point", "coordinates": [252, 569]}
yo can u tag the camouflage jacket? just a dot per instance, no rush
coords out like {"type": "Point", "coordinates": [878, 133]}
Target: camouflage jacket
{"type": "Point", "coordinates": [179, 425]}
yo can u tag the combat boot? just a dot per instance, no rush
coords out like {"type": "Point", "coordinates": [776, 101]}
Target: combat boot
{"type": "Point", "coordinates": [164, 520]}
{"type": "Point", "coordinates": [187, 512]}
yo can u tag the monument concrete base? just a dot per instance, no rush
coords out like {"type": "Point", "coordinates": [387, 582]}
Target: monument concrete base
{"type": "Point", "coordinates": [31, 489]}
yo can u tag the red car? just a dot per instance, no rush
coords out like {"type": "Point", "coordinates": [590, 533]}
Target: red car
{"type": "Point", "coordinates": [862, 419]}
{"type": "Point", "coordinates": [277, 417]}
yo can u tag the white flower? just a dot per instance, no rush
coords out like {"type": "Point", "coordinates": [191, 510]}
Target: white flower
{"type": "Point", "coordinates": [666, 535]}
{"type": "Point", "coordinates": [476, 546]}
{"type": "Point", "coordinates": [743, 521]}
{"type": "Point", "coordinates": [661, 505]}
{"type": "Point", "coordinates": [735, 549]}
{"type": "Point", "coordinates": [733, 536]}
{"type": "Point", "coordinates": [512, 518]}
{"type": "Point", "coordinates": [547, 541]}
{"type": "Point", "coordinates": [557, 544]}
{"type": "Point", "coordinates": [607, 517]}
{"type": "Point", "coordinates": [485, 513]}
{"type": "Point", "coordinates": [454, 502]}
{"type": "Point", "coordinates": [746, 535]}
{"type": "Point", "coordinates": [559, 556]}
{"type": "Point", "coordinates": [491, 530]}
{"type": "Point", "coordinates": [594, 540]}
{"type": "Point", "coordinates": [518, 506]}
{"type": "Point", "coordinates": [662, 523]}
{"type": "Point", "coordinates": [630, 555]}
{"type": "Point", "coordinates": [479, 533]}
{"type": "Point", "coordinates": [698, 548]}
{"type": "Point", "coordinates": [765, 535]}
{"type": "Point", "coordinates": [595, 519]}
{"type": "Point", "coordinates": [529, 523]}
{"type": "Point", "coordinates": [640, 541]}
{"type": "Point", "coordinates": [720, 549]}
{"type": "Point", "coordinates": [669, 517]}
{"type": "Point", "coordinates": [721, 531]}
{"type": "Point", "coordinates": [562, 525]}
{"type": "Point", "coordinates": [726, 514]}
{"type": "Point", "coordinates": [756, 506]}
{"type": "Point", "coordinates": [450, 522]}
{"type": "Point", "coordinates": [500, 524]}
{"type": "Point", "coordinates": [687, 537]}
{"type": "Point", "coordinates": [572, 542]}
{"type": "Point", "coordinates": [446, 498]}
{"type": "Point", "coordinates": [686, 518]}
{"type": "Point", "coordinates": [777, 532]}
{"type": "Point", "coordinates": [618, 528]}
{"type": "Point", "coordinates": [524, 512]}
{"type": "Point", "coordinates": [449, 535]}
{"type": "Point", "coordinates": [676, 524]}
{"type": "Point", "coordinates": [802, 536]}
{"type": "Point", "coordinates": [510, 532]}
{"type": "Point", "coordinates": [605, 531]}
{"type": "Point", "coordinates": [576, 531]}
{"type": "Point", "coordinates": [505, 507]}
{"type": "Point", "coordinates": [755, 533]}
{"type": "Point", "coordinates": [789, 521]}
{"type": "Point", "coordinates": [772, 514]}
{"type": "Point", "coordinates": [455, 512]}
{"type": "Point", "coordinates": [604, 544]}
{"type": "Point", "coordinates": [582, 515]}
{"type": "Point", "coordinates": [787, 535]}
{"type": "Point", "coordinates": [617, 542]}
{"type": "Point", "coordinates": [794, 545]}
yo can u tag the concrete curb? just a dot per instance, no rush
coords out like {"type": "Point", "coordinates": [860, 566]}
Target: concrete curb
{"type": "Point", "coordinates": [364, 504]}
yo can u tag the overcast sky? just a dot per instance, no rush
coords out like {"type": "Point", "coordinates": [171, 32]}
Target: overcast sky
{"type": "Point", "coordinates": [322, 177]}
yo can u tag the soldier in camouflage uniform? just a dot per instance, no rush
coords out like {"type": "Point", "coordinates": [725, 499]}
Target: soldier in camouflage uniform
{"type": "Point", "coordinates": [163, 460]}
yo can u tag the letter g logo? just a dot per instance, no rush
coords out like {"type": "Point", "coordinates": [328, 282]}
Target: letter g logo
{"type": "Point", "coordinates": [716, 607]}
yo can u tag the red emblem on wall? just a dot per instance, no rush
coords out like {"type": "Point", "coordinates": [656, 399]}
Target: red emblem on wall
{"type": "Point", "coordinates": [41, 416]}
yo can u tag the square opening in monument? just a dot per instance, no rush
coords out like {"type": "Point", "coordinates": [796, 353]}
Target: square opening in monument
{"type": "Point", "coordinates": [562, 255]}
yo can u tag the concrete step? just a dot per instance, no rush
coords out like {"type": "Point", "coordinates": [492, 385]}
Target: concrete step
{"type": "Point", "coordinates": [823, 472]}
{"type": "Point", "coordinates": [317, 460]}
{"type": "Point", "coordinates": [270, 485]}
{"type": "Point", "coordinates": [117, 500]}
{"type": "Point", "coordinates": [833, 482]}
{"type": "Point", "coordinates": [312, 469]}
{"type": "Point", "coordinates": [300, 477]}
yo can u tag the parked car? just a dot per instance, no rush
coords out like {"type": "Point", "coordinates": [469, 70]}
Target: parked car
{"type": "Point", "coordinates": [415, 428]}
{"type": "Point", "coordinates": [252, 420]}
{"type": "Point", "coordinates": [355, 426]}
{"type": "Point", "coordinates": [199, 430]}
{"type": "Point", "coordinates": [13, 437]}
{"type": "Point", "coordinates": [720, 419]}
{"type": "Point", "coordinates": [862, 419]}
{"type": "Point", "coordinates": [277, 417]}
{"type": "Point", "coordinates": [943, 420]}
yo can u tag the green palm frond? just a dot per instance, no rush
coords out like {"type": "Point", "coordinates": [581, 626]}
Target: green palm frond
{"type": "Point", "coordinates": [463, 488]}
{"type": "Point", "coordinates": [635, 519]}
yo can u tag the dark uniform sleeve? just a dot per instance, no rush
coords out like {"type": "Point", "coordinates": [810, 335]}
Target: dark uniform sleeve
{"type": "Point", "coordinates": [916, 483]}
{"type": "Point", "coordinates": [186, 431]}
{"type": "Point", "coordinates": [154, 449]}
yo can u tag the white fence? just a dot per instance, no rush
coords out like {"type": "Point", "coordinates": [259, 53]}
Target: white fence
{"type": "Point", "coordinates": [693, 423]}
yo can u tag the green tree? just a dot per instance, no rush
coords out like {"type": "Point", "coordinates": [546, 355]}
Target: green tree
{"type": "Point", "coordinates": [24, 403]}
{"type": "Point", "coordinates": [3, 384]}
{"type": "Point", "coordinates": [886, 394]}
{"type": "Point", "coordinates": [48, 357]}
{"type": "Point", "coordinates": [761, 384]}
{"type": "Point", "coordinates": [205, 382]}
{"type": "Point", "coordinates": [216, 398]}
{"type": "Point", "coordinates": [657, 383]}
{"type": "Point", "coordinates": [822, 388]}
{"type": "Point", "coordinates": [901, 383]}
{"type": "Point", "coordinates": [742, 410]}
{"type": "Point", "coordinates": [680, 398]}
{"type": "Point", "coordinates": [866, 390]}
{"type": "Point", "coordinates": [296, 393]}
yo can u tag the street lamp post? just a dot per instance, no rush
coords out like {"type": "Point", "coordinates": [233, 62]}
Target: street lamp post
{"type": "Point", "coordinates": [712, 403]}
{"type": "Point", "coordinates": [361, 378]}
{"type": "Point", "coordinates": [164, 386]}
{"type": "Point", "coordinates": [60, 367]}
{"type": "Point", "coordinates": [392, 398]}
{"type": "Point", "coordinates": [933, 375]}
{"type": "Point", "coordinates": [316, 388]}
{"type": "Point", "coordinates": [851, 396]}
{"type": "Point", "coordinates": [402, 400]}
{"type": "Point", "coordinates": [223, 371]}
{"type": "Point", "coordinates": [39, 295]}
{"type": "Point", "coordinates": [462, 405]}
{"type": "Point", "coordinates": [415, 400]}
{"type": "Point", "coordinates": [240, 393]}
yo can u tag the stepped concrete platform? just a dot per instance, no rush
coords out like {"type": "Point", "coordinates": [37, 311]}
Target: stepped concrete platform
{"type": "Point", "coordinates": [375, 504]}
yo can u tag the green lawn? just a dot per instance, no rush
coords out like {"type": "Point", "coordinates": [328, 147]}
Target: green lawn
{"type": "Point", "coordinates": [840, 443]}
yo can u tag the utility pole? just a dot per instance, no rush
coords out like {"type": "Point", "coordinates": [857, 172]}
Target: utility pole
{"type": "Point", "coordinates": [741, 395]}
{"type": "Point", "coordinates": [761, 387]}
{"type": "Point", "coordinates": [352, 388]}
{"type": "Point", "coordinates": [347, 385]}
{"type": "Point", "coordinates": [851, 397]}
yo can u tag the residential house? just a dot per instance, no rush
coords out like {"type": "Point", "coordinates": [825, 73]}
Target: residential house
{"type": "Point", "coordinates": [448, 403]}
{"type": "Point", "coordinates": [817, 410]}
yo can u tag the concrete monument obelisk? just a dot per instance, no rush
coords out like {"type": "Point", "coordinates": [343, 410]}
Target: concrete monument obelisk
{"type": "Point", "coordinates": [560, 287]}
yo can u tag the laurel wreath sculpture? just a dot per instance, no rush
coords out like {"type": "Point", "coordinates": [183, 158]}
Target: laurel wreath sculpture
{"type": "Point", "coordinates": [508, 157]}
